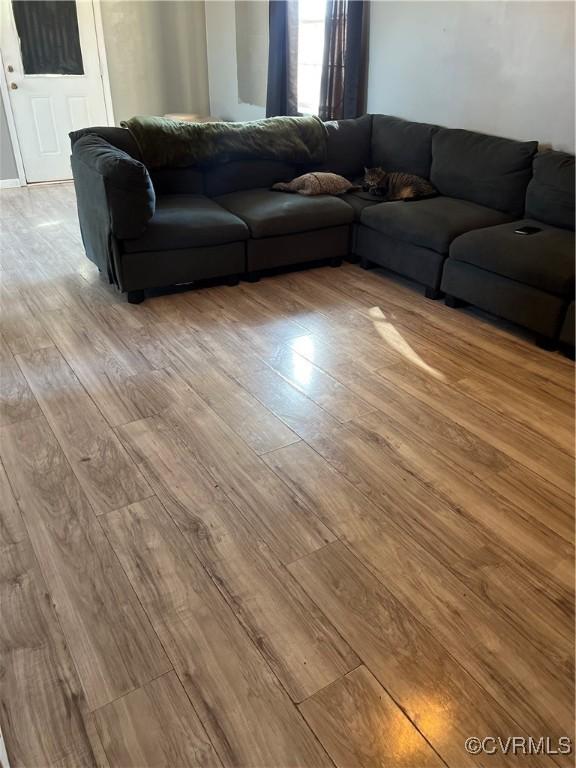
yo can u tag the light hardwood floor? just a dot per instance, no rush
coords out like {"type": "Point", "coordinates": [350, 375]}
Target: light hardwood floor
{"type": "Point", "coordinates": [314, 521]}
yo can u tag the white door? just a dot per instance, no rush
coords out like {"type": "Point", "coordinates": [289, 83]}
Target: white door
{"type": "Point", "coordinates": [52, 67]}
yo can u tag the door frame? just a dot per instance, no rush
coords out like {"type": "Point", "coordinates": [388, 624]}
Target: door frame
{"type": "Point", "coordinates": [103, 64]}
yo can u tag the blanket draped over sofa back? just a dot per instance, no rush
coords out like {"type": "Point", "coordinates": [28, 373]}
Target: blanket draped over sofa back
{"type": "Point", "coordinates": [170, 143]}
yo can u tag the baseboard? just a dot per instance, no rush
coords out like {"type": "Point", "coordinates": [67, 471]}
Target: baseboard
{"type": "Point", "coordinates": [9, 183]}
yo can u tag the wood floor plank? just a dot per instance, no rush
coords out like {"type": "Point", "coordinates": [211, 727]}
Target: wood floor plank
{"type": "Point", "coordinates": [538, 497]}
{"type": "Point", "coordinates": [467, 549]}
{"type": "Point", "coordinates": [302, 415]}
{"type": "Point", "coordinates": [44, 714]}
{"type": "Point", "coordinates": [464, 339]}
{"type": "Point", "coordinates": [487, 645]}
{"type": "Point", "coordinates": [288, 527]}
{"type": "Point", "coordinates": [360, 725]}
{"type": "Point", "coordinates": [275, 296]}
{"type": "Point", "coordinates": [254, 423]}
{"type": "Point", "coordinates": [505, 524]}
{"type": "Point", "coordinates": [261, 327]}
{"type": "Point", "coordinates": [515, 440]}
{"type": "Point", "coordinates": [167, 343]}
{"type": "Point", "coordinates": [341, 355]}
{"type": "Point", "coordinates": [249, 718]}
{"type": "Point", "coordinates": [111, 641]}
{"type": "Point", "coordinates": [12, 528]}
{"type": "Point", "coordinates": [100, 360]}
{"type": "Point", "coordinates": [536, 605]}
{"type": "Point", "coordinates": [300, 646]}
{"type": "Point", "coordinates": [319, 386]}
{"type": "Point", "coordinates": [554, 425]}
{"type": "Point", "coordinates": [108, 476]}
{"type": "Point", "coordinates": [490, 648]}
{"type": "Point", "coordinates": [465, 530]}
{"type": "Point", "coordinates": [463, 328]}
{"type": "Point", "coordinates": [444, 702]}
{"type": "Point", "coordinates": [155, 727]}
{"type": "Point", "coordinates": [17, 403]}
{"type": "Point", "coordinates": [20, 328]}
{"type": "Point", "coordinates": [463, 448]}
{"type": "Point", "coordinates": [152, 393]}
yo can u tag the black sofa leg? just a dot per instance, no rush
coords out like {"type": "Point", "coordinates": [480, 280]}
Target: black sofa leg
{"type": "Point", "coordinates": [452, 301]}
{"type": "Point", "coordinates": [366, 263]}
{"type": "Point", "coordinates": [432, 293]}
{"type": "Point", "coordinates": [135, 297]}
{"type": "Point", "coordinates": [335, 262]}
{"type": "Point", "coordinates": [232, 280]}
{"type": "Point", "coordinates": [545, 342]}
{"type": "Point", "coordinates": [253, 277]}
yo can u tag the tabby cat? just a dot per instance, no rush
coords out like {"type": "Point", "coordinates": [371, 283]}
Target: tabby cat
{"type": "Point", "coordinates": [396, 185]}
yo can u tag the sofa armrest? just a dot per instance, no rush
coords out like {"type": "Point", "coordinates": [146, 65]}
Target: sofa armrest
{"type": "Point", "coordinates": [128, 196]}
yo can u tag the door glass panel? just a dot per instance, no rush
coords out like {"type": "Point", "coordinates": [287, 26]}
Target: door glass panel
{"type": "Point", "coordinates": [49, 37]}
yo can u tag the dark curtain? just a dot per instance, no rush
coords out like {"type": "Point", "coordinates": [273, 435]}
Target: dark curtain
{"type": "Point", "coordinates": [282, 94]}
{"type": "Point", "coordinates": [343, 84]}
{"type": "Point", "coordinates": [49, 37]}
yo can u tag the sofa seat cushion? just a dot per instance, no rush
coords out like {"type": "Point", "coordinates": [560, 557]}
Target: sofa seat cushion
{"type": "Point", "coordinates": [359, 201]}
{"type": "Point", "coordinates": [544, 260]}
{"type": "Point", "coordinates": [188, 221]}
{"type": "Point", "coordinates": [431, 223]}
{"type": "Point", "coordinates": [268, 213]}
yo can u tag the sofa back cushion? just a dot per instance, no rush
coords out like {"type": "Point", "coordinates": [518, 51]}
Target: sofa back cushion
{"type": "Point", "coordinates": [178, 181]}
{"type": "Point", "coordinates": [550, 193]}
{"type": "Point", "coordinates": [348, 146]}
{"type": "Point", "coordinates": [483, 169]}
{"type": "Point", "coordinates": [238, 175]}
{"type": "Point", "coordinates": [401, 145]}
{"type": "Point", "coordinates": [129, 190]}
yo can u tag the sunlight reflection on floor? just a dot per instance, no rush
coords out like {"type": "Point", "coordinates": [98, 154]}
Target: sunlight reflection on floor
{"type": "Point", "coordinates": [397, 342]}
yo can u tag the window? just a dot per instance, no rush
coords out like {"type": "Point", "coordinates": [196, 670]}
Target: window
{"type": "Point", "coordinates": [311, 14]}
{"type": "Point", "coordinates": [49, 37]}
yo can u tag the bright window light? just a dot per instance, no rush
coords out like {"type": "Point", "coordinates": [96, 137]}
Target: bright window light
{"type": "Point", "coordinates": [311, 14]}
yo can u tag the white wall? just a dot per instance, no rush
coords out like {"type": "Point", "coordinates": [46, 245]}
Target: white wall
{"type": "Point", "coordinates": [223, 67]}
{"type": "Point", "coordinates": [252, 51]}
{"type": "Point", "coordinates": [505, 68]}
{"type": "Point", "coordinates": [156, 52]}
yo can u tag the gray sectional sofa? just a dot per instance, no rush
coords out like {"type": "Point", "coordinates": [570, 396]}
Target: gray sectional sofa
{"type": "Point", "coordinates": [150, 229]}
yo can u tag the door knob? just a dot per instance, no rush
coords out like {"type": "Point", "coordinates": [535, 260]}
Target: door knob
{"type": "Point", "coordinates": [14, 86]}
{"type": "Point", "coordinates": [10, 68]}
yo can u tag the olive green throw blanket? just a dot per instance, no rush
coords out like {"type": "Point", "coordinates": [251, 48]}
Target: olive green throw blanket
{"type": "Point", "coordinates": [172, 143]}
